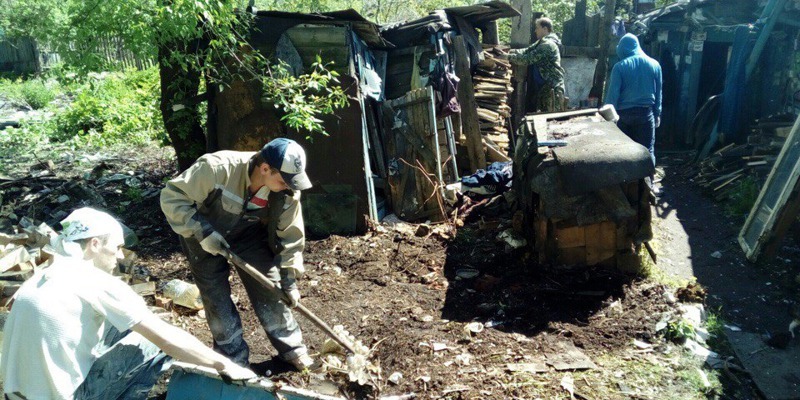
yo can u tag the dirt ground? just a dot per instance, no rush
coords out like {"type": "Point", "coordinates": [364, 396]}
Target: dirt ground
{"type": "Point", "coordinates": [408, 295]}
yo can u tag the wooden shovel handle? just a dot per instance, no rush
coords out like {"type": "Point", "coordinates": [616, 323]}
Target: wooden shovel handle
{"type": "Point", "coordinates": [258, 276]}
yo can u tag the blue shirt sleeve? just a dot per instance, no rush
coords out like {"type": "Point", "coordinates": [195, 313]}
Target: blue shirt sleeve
{"type": "Point", "coordinates": [657, 105]}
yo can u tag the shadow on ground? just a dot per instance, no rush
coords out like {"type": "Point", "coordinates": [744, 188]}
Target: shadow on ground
{"type": "Point", "coordinates": [697, 239]}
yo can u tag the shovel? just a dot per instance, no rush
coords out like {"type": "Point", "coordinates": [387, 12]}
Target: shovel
{"type": "Point", "coordinates": [258, 276]}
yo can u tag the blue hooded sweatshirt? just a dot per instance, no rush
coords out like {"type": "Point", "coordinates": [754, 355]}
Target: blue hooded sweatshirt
{"type": "Point", "coordinates": [635, 79]}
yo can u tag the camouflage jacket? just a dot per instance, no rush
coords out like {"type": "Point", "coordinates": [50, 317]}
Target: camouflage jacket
{"type": "Point", "coordinates": [544, 55]}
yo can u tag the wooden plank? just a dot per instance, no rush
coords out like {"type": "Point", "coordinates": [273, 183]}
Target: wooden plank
{"type": "Point", "coordinates": [592, 241]}
{"type": "Point", "coordinates": [521, 37]}
{"type": "Point", "coordinates": [494, 152]}
{"type": "Point", "coordinates": [8, 288]}
{"type": "Point", "coordinates": [570, 237]}
{"type": "Point", "coordinates": [469, 115]}
{"type": "Point", "coordinates": [569, 114]}
{"type": "Point", "coordinates": [608, 235]}
{"type": "Point", "coordinates": [623, 242]}
{"type": "Point", "coordinates": [540, 233]}
{"type": "Point", "coordinates": [11, 259]}
{"type": "Point", "coordinates": [19, 238]}
{"type": "Point", "coordinates": [20, 276]}
{"type": "Point", "coordinates": [572, 256]}
{"type": "Point", "coordinates": [373, 125]}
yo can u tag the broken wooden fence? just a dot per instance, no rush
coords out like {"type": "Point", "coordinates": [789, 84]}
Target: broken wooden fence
{"type": "Point", "coordinates": [415, 159]}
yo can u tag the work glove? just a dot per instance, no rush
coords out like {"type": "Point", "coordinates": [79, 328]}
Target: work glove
{"type": "Point", "coordinates": [658, 122]}
{"type": "Point", "coordinates": [236, 372]}
{"type": "Point", "coordinates": [214, 244]}
{"type": "Point", "coordinates": [289, 286]}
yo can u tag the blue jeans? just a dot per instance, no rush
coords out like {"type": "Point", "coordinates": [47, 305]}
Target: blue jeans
{"type": "Point", "coordinates": [640, 125]}
{"type": "Point", "coordinates": [128, 367]}
{"type": "Point", "coordinates": [211, 277]}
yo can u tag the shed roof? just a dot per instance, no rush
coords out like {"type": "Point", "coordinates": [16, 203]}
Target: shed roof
{"type": "Point", "coordinates": [280, 21]}
{"type": "Point", "coordinates": [407, 33]}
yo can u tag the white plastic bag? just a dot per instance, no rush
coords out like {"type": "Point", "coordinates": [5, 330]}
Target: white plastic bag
{"type": "Point", "coordinates": [184, 294]}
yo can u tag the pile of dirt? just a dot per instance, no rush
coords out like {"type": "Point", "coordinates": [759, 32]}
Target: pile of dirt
{"type": "Point", "coordinates": [445, 315]}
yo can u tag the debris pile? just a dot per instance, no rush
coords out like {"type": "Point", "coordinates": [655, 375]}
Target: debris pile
{"type": "Point", "coordinates": [356, 366]}
{"type": "Point", "coordinates": [492, 79]}
{"type": "Point", "coordinates": [735, 163]}
{"type": "Point", "coordinates": [21, 254]}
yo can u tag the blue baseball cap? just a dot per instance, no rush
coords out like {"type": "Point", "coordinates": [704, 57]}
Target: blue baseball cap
{"type": "Point", "coordinates": [290, 159]}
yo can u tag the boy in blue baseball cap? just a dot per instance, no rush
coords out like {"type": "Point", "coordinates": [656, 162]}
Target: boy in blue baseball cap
{"type": "Point", "coordinates": [248, 203]}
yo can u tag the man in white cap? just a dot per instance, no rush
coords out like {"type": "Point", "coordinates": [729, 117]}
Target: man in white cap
{"type": "Point", "coordinates": [77, 332]}
{"type": "Point", "coordinates": [248, 202]}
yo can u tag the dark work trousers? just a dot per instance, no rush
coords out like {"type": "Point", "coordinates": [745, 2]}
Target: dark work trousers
{"type": "Point", "coordinates": [211, 276]}
{"type": "Point", "coordinates": [640, 125]}
{"type": "Point", "coordinates": [127, 368]}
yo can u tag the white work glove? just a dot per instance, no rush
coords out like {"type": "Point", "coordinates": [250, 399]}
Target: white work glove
{"type": "Point", "coordinates": [289, 286]}
{"type": "Point", "coordinates": [214, 243]}
{"type": "Point", "coordinates": [658, 122]}
{"type": "Point", "coordinates": [293, 295]}
{"type": "Point", "coordinates": [236, 372]}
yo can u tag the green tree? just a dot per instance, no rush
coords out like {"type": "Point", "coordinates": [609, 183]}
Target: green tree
{"type": "Point", "coordinates": [193, 40]}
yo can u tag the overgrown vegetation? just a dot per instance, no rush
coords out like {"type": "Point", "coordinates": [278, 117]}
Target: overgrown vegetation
{"type": "Point", "coordinates": [102, 110]}
{"type": "Point", "coordinates": [34, 93]}
{"type": "Point", "coordinates": [662, 375]}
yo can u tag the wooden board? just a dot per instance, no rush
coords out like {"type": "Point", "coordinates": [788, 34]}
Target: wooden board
{"type": "Point", "coordinates": [571, 237]}
{"type": "Point", "coordinates": [410, 143]}
{"type": "Point", "coordinates": [470, 127]}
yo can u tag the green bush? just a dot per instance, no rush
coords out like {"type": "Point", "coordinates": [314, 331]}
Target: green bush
{"type": "Point", "coordinates": [117, 108]}
{"type": "Point", "coordinates": [35, 93]}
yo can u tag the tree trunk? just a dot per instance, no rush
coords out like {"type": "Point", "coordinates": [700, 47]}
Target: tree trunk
{"type": "Point", "coordinates": [178, 87]}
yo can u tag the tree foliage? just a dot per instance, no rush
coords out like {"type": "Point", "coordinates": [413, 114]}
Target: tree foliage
{"type": "Point", "coordinates": [193, 40]}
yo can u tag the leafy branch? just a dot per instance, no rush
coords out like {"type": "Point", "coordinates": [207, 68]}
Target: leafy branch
{"type": "Point", "coordinates": [306, 97]}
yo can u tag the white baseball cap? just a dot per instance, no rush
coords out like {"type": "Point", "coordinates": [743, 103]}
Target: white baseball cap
{"type": "Point", "coordinates": [86, 222]}
{"type": "Point", "coordinates": [290, 159]}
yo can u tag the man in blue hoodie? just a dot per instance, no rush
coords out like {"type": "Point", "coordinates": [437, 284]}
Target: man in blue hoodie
{"type": "Point", "coordinates": [635, 91]}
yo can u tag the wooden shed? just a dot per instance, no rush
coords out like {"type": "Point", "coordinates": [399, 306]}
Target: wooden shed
{"type": "Point", "coordinates": [346, 167]}
{"type": "Point", "coordinates": [443, 48]}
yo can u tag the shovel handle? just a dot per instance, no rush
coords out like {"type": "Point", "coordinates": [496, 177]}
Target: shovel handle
{"type": "Point", "coordinates": [258, 276]}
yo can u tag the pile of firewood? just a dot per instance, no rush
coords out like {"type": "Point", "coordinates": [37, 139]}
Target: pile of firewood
{"type": "Point", "coordinates": [720, 172]}
{"type": "Point", "coordinates": [492, 82]}
{"type": "Point", "coordinates": [21, 254]}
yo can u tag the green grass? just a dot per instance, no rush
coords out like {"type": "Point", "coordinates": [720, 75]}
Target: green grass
{"type": "Point", "coordinates": [651, 271]}
{"type": "Point", "coordinates": [650, 375]}
{"type": "Point", "coordinates": [744, 196]}
{"type": "Point", "coordinates": [715, 325]}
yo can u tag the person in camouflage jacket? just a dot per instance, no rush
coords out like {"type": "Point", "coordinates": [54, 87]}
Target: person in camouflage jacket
{"type": "Point", "coordinates": [545, 58]}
